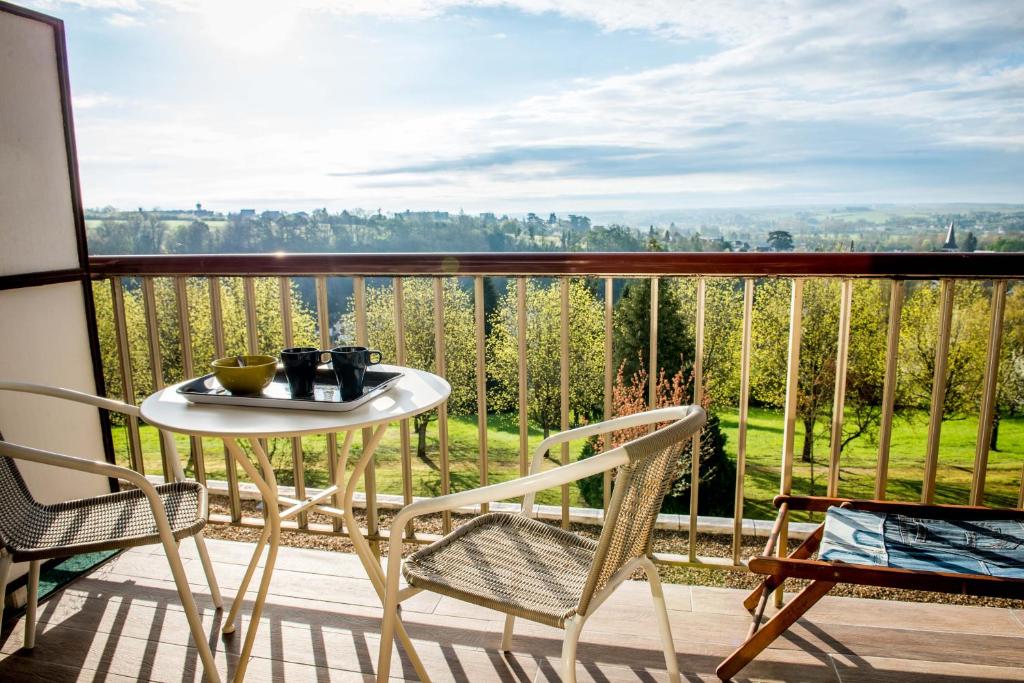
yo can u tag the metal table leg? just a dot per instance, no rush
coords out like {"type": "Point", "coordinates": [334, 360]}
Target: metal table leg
{"type": "Point", "coordinates": [362, 548]}
{"type": "Point", "coordinates": [271, 537]}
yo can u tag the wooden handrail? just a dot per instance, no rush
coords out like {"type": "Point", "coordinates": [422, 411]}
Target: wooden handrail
{"type": "Point", "coordinates": [897, 265]}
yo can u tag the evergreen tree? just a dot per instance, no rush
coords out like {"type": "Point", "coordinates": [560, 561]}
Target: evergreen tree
{"type": "Point", "coordinates": [632, 330]}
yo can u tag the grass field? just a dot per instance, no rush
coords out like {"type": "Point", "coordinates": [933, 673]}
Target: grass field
{"type": "Point", "coordinates": [761, 483]}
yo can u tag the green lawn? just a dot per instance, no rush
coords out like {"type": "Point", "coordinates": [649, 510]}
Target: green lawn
{"type": "Point", "coordinates": [859, 460]}
{"type": "Point", "coordinates": [503, 457]}
{"type": "Point", "coordinates": [764, 448]}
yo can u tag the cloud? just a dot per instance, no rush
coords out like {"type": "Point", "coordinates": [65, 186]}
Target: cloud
{"type": "Point", "coordinates": [790, 97]}
{"type": "Point", "coordinates": [122, 20]}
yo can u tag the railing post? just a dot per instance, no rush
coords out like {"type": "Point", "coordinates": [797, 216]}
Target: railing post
{"type": "Point", "coordinates": [652, 371]}
{"type": "Point", "coordinates": [220, 350]}
{"type": "Point", "coordinates": [441, 368]}
{"type": "Point", "coordinates": [370, 475]}
{"type": "Point", "coordinates": [839, 398]}
{"type": "Point", "coordinates": [124, 357]}
{"type": "Point", "coordinates": [524, 408]}
{"type": "Point", "coordinates": [298, 462]}
{"type": "Point", "coordinates": [403, 426]}
{"type": "Point", "coordinates": [188, 366]}
{"type": "Point", "coordinates": [335, 467]}
{"type": "Point", "coordinates": [481, 381]}
{"type": "Point", "coordinates": [698, 399]}
{"type": "Point", "coordinates": [155, 358]}
{"type": "Point", "coordinates": [609, 373]}
{"type": "Point", "coordinates": [931, 463]}
{"type": "Point", "coordinates": [741, 437]}
{"type": "Point", "coordinates": [789, 428]}
{"type": "Point", "coordinates": [892, 353]}
{"type": "Point", "coordinates": [564, 385]}
{"type": "Point", "coordinates": [988, 396]}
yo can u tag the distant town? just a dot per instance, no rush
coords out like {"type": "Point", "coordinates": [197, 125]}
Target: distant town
{"type": "Point", "coordinates": [822, 229]}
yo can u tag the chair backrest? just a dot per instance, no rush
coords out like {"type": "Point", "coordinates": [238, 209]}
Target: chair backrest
{"type": "Point", "coordinates": [640, 487]}
{"type": "Point", "coordinates": [16, 501]}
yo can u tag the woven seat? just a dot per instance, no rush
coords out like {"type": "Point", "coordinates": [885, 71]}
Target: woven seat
{"type": "Point", "coordinates": [32, 531]}
{"type": "Point", "coordinates": [508, 563]}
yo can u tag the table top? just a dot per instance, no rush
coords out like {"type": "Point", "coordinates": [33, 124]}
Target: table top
{"type": "Point", "coordinates": [416, 392]}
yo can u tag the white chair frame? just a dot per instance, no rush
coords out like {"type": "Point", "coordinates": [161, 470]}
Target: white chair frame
{"type": "Point", "coordinates": [528, 487]}
{"type": "Point", "coordinates": [105, 469]}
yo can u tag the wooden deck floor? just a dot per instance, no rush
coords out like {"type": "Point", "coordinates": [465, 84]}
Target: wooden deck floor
{"type": "Point", "coordinates": [124, 623]}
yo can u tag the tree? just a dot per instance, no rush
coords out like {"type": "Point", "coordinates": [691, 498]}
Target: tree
{"type": "Point", "coordinates": [459, 340]}
{"type": "Point", "coordinates": [1010, 389]}
{"type": "Point", "coordinates": [780, 240]}
{"type": "Point", "coordinates": [970, 243]}
{"type": "Point", "coordinates": [818, 348]}
{"type": "Point", "coordinates": [543, 344]}
{"type": "Point", "coordinates": [723, 316]}
{"type": "Point", "coordinates": [191, 238]}
{"type": "Point", "coordinates": [968, 343]}
{"type": "Point", "coordinates": [717, 471]}
{"type": "Point", "coordinates": [632, 325]}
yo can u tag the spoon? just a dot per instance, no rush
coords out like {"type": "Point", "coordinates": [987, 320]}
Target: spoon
{"type": "Point", "coordinates": [240, 361]}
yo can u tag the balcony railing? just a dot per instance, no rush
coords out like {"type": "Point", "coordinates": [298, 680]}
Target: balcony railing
{"type": "Point", "coordinates": [996, 270]}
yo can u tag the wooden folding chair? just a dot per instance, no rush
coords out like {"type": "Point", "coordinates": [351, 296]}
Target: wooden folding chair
{"type": "Point", "coordinates": [823, 575]}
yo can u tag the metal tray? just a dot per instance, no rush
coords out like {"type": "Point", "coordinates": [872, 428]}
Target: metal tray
{"type": "Point", "coordinates": [326, 395]}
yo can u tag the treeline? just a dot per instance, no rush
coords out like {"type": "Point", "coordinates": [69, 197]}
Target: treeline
{"type": "Point", "coordinates": [144, 232]}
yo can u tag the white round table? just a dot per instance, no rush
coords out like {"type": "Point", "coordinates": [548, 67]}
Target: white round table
{"type": "Point", "coordinates": [416, 392]}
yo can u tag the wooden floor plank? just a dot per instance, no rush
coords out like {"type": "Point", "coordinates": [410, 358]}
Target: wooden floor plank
{"type": "Point", "coordinates": [889, 670]}
{"type": "Point", "coordinates": [124, 622]}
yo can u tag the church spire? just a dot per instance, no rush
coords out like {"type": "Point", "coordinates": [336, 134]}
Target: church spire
{"type": "Point", "coordinates": [950, 244]}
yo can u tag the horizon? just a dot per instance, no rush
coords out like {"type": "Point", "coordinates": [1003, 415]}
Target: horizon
{"type": "Point", "coordinates": [511, 106]}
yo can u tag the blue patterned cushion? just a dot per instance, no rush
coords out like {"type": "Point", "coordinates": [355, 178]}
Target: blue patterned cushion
{"type": "Point", "coordinates": [992, 546]}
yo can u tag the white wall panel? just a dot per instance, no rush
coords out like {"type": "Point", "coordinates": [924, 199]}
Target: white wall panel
{"type": "Point", "coordinates": [36, 217]}
{"type": "Point", "coordinates": [44, 340]}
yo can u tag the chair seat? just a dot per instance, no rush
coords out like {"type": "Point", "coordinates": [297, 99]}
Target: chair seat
{"type": "Point", "coordinates": [108, 522]}
{"type": "Point", "coordinates": [508, 563]}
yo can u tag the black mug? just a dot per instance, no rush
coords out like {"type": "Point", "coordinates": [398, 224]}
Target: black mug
{"type": "Point", "coordinates": [300, 366]}
{"type": "Point", "coordinates": [350, 363]}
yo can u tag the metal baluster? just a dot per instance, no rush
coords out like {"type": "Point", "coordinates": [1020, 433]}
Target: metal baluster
{"type": "Point", "coordinates": [988, 396]}
{"type": "Point", "coordinates": [403, 427]}
{"type": "Point", "coordinates": [335, 466]}
{"type": "Point", "coordinates": [741, 437]}
{"type": "Point", "coordinates": [789, 428]}
{"type": "Point", "coordinates": [892, 352]}
{"type": "Point", "coordinates": [284, 285]}
{"type": "Point", "coordinates": [931, 464]}
{"type": "Point", "coordinates": [125, 368]}
{"type": "Point", "coordinates": [370, 476]}
{"type": "Point", "coordinates": [217, 313]}
{"type": "Point", "coordinates": [698, 398]}
{"type": "Point", "coordinates": [188, 366]}
{"type": "Point", "coordinates": [839, 400]}
{"type": "Point", "coordinates": [609, 373]}
{"type": "Point", "coordinates": [652, 372]}
{"type": "Point", "coordinates": [442, 410]}
{"type": "Point", "coordinates": [481, 381]}
{"type": "Point", "coordinates": [524, 424]}
{"type": "Point", "coordinates": [564, 377]}
{"type": "Point", "coordinates": [155, 358]}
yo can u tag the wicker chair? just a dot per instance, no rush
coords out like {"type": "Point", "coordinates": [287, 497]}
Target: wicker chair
{"type": "Point", "coordinates": [31, 531]}
{"type": "Point", "coordinates": [525, 568]}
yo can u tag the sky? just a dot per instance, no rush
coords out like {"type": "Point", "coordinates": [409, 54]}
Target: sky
{"type": "Point", "coordinates": [545, 105]}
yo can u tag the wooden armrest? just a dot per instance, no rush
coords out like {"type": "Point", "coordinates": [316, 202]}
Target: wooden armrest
{"type": "Point", "coordinates": [889, 577]}
{"type": "Point", "coordinates": [966, 512]}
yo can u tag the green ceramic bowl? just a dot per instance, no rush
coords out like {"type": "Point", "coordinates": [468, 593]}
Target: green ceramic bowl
{"type": "Point", "coordinates": [256, 374]}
